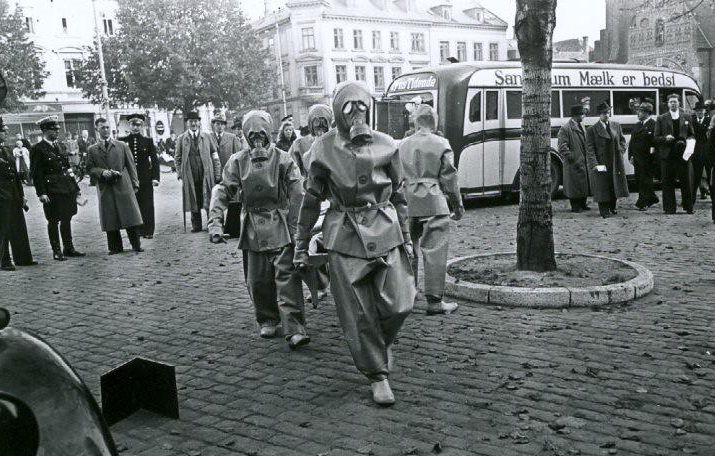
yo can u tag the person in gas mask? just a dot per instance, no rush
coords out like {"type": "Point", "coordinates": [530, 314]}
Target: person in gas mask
{"type": "Point", "coordinates": [432, 192]}
{"type": "Point", "coordinates": [320, 117]}
{"type": "Point", "coordinates": [269, 187]}
{"type": "Point", "coordinates": [365, 233]}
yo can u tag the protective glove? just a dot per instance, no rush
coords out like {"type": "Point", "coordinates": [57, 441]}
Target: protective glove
{"type": "Point", "coordinates": [458, 213]}
{"type": "Point", "coordinates": [217, 239]}
{"type": "Point", "coordinates": [300, 259]}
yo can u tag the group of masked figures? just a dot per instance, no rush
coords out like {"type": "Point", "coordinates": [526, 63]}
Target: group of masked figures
{"type": "Point", "coordinates": [375, 200]}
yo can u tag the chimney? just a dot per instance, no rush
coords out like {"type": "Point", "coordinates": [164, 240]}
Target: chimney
{"type": "Point", "coordinates": [584, 47]}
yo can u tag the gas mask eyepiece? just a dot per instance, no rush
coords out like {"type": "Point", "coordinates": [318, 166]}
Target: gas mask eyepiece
{"type": "Point", "coordinates": [355, 113]}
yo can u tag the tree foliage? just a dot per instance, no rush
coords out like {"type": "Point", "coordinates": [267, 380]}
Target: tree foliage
{"type": "Point", "coordinates": [20, 61]}
{"type": "Point", "coordinates": [180, 54]}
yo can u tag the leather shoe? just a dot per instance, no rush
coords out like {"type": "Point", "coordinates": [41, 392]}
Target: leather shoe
{"type": "Point", "coordinates": [441, 308]}
{"type": "Point", "coordinates": [138, 249]}
{"type": "Point", "coordinates": [149, 236]}
{"type": "Point", "coordinates": [298, 340]}
{"type": "Point", "coordinates": [690, 211]}
{"type": "Point", "coordinates": [577, 210]}
{"type": "Point", "coordinates": [268, 331]}
{"type": "Point", "coordinates": [8, 267]}
{"type": "Point", "coordinates": [382, 393]}
{"type": "Point", "coordinates": [57, 255]}
{"type": "Point", "coordinates": [71, 252]}
{"type": "Point", "coordinates": [586, 208]}
{"type": "Point", "coordinates": [31, 263]}
{"type": "Point", "coordinates": [114, 252]}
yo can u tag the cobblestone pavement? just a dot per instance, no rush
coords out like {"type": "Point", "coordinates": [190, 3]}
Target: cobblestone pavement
{"type": "Point", "coordinates": [628, 380]}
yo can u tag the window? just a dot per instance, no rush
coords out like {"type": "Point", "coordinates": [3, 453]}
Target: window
{"type": "Point", "coordinates": [418, 42]}
{"type": "Point", "coordinates": [443, 51]}
{"type": "Point", "coordinates": [659, 32]}
{"type": "Point", "coordinates": [475, 108]}
{"type": "Point", "coordinates": [379, 73]}
{"type": "Point", "coordinates": [341, 73]}
{"type": "Point", "coordinates": [626, 101]}
{"type": "Point", "coordinates": [492, 105]}
{"type": "Point", "coordinates": [396, 72]}
{"type": "Point", "coordinates": [394, 41]}
{"type": "Point", "coordinates": [308, 38]}
{"type": "Point", "coordinates": [64, 24]}
{"type": "Point", "coordinates": [376, 40]}
{"type": "Point", "coordinates": [108, 27]}
{"type": "Point", "coordinates": [357, 39]}
{"type": "Point", "coordinates": [29, 25]}
{"type": "Point", "coordinates": [71, 67]}
{"type": "Point", "coordinates": [311, 75]}
{"type": "Point", "coordinates": [574, 97]}
{"type": "Point", "coordinates": [359, 73]}
{"type": "Point", "coordinates": [338, 41]}
{"type": "Point", "coordinates": [461, 51]}
{"type": "Point", "coordinates": [513, 104]}
{"type": "Point", "coordinates": [478, 52]}
{"type": "Point", "coordinates": [493, 51]}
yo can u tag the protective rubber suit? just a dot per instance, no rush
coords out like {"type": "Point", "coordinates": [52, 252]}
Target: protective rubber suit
{"type": "Point", "coordinates": [269, 187]}
{"type": "Point", "coordinates": [358, 170]}
{"type": "Point", "coordinates": [432, 192]}
{"type": "Point", "coordinates": [320, 118]}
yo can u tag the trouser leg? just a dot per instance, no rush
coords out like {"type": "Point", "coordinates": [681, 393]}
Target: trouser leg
{"type": "Point", "coordinates": [262, 286]}
{"type": "Point", "coordinates": [668, 184]}
{"type": "Point", "coordinates": [114, 241]}
{"type": "Point", "coordinates": [434, 246]}
{"type": "Point", "coordinates": [145, 198]}
{"type": "Point", "coordinates": [196, 223]}
{"type": "Point", "coordinates": [416, 228]}
{"type": "Point", "coordinates": [5, 256]}
{"type": "Point", "coordinates": [53, 233]}
{"type": "Point", "coordinates": [66, 233]}
{"type": "Point", "coordinates": [133, 235]}
{"type": "Point", "coordinates": [19, 241]}
{"type": "Point", "coordinates": [646, 195]}
{"type": "Point", "coordinates": [686, 196]}
{"type": "Point", "coordinates": [372, 298]}
{"type": "Point", "coordinates": [698, 168]}
{"type": "Point", "coordinates": [289, 289]}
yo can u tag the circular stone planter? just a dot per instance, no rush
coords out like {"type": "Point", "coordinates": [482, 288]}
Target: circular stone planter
{"type": "Point", "coordinates": [553, 297]}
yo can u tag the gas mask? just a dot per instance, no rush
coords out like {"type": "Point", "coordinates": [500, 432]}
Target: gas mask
{"type": "Point", "coordinates": [258, 140]}
{"type": "Point", "coordinates": [351, 103]}
{"type": "Point", "coordinates": [257, 127]}
{"type": "Point", "coordinates": [319, 119]}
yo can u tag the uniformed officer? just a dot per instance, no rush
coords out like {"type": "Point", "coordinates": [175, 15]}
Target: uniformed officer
{"type": "Point", "coordinates": [148, 171]}
{"type": "Point", "coordinates": [56, 188]}
{"type": "Point", "coordinates": [432, 192]}
{"type": "Point", "coordinates": [13, 230]}
{"type": "Point", "coordinates": [269, 187]}
{"type": "Point", "coordinates": [364, 230]}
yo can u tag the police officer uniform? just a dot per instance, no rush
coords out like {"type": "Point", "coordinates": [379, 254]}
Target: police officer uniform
{"type": "Point", "coordinates": [148, 171]}
{"type": "Point", "coordinates": [364, 230]}
{"type": "Point", "coordinates": [269, 187]}
{"type": "Point", "coordinates": [432, 192]}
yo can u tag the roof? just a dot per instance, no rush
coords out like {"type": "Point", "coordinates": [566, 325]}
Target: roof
{"type": "Point", "coordinates": [572, 45]}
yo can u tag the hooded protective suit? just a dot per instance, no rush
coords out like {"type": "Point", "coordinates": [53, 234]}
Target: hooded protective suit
{"type": "Point", "coordinates": [318, 113]}
{"type": "Point", "coordinates": [269, 186]}
{"type": "Point", "coordinates": [432, 191]}
{"type": "Point", "coordinates": [359, 172]}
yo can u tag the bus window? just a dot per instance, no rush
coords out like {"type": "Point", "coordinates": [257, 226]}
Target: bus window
{"type": "Point", "coordinates": [574, 97]}
{"type": "Point", "coordinates": [475, 108]}
{"type": "Point", "coordinates": [513, 104]}
{"type": "Point", "coordinates": [625, 102]}
{"type": "Point", "coordinates": [492, 105]}
{"type": "Point", "coordinates": [690, 99]}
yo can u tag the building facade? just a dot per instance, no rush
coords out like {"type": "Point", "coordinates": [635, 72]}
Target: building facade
{"type": "Point", "coordinates": [320, 43]}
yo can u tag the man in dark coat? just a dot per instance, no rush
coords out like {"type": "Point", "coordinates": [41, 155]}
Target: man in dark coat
{"type": "Point", "coordinates": [700, 159]}
{"type": "Point", "coordinates": [672, 129]}
{"type": "Point", "coordinates": [640, 154]}
{"type": "Point", "coordinates": [147, 167]}
{"type": "Point", "coordinates": [572, 146]}
{"type": "Point", "coordinates": [605, 145]}
{"type": "Point", "coordinates": [56, 188]}
{"type": "Point", "coordinates": [111, 166]}
{"type": "Point", "coordinates": [13, 230]}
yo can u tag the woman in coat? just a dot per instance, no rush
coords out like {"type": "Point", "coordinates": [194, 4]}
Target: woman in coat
{"type": "Point", "coordinates": [605, 146]}
{"type": "Point", "coordinates": [286, 136]}
{"type": "Point", "coordinates": [572, 147]}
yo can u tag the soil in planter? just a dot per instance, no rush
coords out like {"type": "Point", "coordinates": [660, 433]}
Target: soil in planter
{"type": "Point", "coordinates": [572, 271]}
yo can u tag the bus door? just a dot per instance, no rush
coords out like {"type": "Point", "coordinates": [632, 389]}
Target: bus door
{"type": "Point", "coordinates": [480, 159]}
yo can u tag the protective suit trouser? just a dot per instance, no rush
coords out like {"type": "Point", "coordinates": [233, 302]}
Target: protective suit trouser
{"type": "Point", "coordinates": [373, 296]}
{"type": "Point", "coordinates": [276, 290]}
{"type": "Point", "coordinates": [431, 236]}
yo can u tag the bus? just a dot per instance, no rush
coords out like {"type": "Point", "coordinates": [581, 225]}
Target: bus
{"type": "Point", "coordinates": [479, 108]}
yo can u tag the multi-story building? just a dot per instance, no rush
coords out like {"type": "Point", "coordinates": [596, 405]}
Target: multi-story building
{"type": "Point", "coordinates": [320, 43]}
{"type": "Point", "coordinates": [62, 29]}
{"type": "Point", "coordinates": [573, 49]}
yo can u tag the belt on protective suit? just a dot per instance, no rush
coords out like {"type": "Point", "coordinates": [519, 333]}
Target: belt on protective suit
{"type": "Point", "coordinates": [367, 207]}
{"type": "Point", "coordinates": [423, 180]}
{"type": "Point", "coordinates": [264, 208]}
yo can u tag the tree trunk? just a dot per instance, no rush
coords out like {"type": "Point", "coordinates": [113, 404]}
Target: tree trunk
{"type": "Point", "coordinates": [533, 29]}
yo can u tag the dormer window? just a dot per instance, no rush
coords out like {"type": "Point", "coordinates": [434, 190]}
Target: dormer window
{"type": "Point", "coordinates": [445, 13]}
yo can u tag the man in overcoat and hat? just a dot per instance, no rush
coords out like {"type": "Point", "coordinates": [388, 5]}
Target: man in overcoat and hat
{"type": "Point", "coordinates": [111, 167]}
{"type": "Point", "coordinates": [198, 166]}
{"type": "Point", "coordinates": [225, 142]}
{"type": "Point", "coordinates": [672, 129]}
{"type": "Point", "coordinates": [237, 129]}
{"type": "Point", "coordinates": [700, 159]}
{"type": "Point", "coordinates": [13, 229]}
{"type": "Point", "coordinates": [572, 147]}
{"type": "Point", "coordinates": [605, 146]}
{"type": "Point", "coordinates": [56, 188]}
{"type": "Point", "coordinates": [147, 168]}
{"type": "Point", "coordinates": [640, 154]}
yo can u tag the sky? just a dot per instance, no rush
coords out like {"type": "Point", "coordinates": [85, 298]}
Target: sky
{"type": "Point", "coordinates": [574, 18]}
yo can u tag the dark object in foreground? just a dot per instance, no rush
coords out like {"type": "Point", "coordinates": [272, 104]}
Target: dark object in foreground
{"type": "Point", "coordinates": [139, 384]}
{"type": "Point", "coordinates": [44, 404]}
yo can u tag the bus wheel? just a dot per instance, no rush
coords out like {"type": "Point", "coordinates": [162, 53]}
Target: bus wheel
{"type": "Point", "coordinates": [555, 178]}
